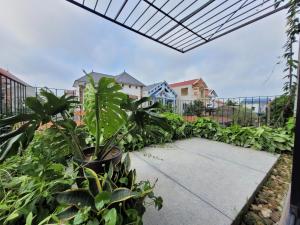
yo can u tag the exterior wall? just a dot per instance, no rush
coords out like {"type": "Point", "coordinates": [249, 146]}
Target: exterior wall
{"type": "Point", "coordinates": [145, 94]}
{"type": "Point", "coordinates": [196, 91]}
{"type": "Point", "coordinates": [133, 90]}
{"type": "Point", "coordinates": [190, 96]}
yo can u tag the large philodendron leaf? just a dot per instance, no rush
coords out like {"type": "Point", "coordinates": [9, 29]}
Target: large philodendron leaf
{"type": "Point", "coordinates": [109, 97]}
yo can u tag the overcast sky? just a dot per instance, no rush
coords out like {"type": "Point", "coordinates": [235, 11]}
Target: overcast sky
{"type": "Point", "coordinates": [49, 42]}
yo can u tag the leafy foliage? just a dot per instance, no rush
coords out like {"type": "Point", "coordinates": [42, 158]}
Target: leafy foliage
{"type": "Point", "coordinates": [281, 109]}
{"type": "Point", "coordinates": [179, 128]}
{"type": "Point", "coordinates": [103, 114]}
{"type": "Point", "coordinates": [145, 125]}
{"type": "Point", "coordinates": [28, 184]}
{"type": "Point", "coordinates": [195, 108]}
{"type": "Point", "coordinates": [206, 128]}
{"type": "Point", "coordinates": [36, 189]}
{"type": "Point", "coordinates": [143, 116]}
{"type": "Point", "coordinates": [260, 138]}
{"type": "Point", "coordinates": [44, 109]}
{"type": "Point", "coordinates": [111, 198]}
{"type": "Point", "coordinates": [292, 31]}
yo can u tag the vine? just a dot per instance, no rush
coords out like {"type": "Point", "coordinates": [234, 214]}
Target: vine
{"type": "Point", "coordinates": [292, 31]}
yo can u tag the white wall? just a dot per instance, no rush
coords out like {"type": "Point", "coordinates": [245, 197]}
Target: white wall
{"type": "Point", "coordinates": [133, 90]}
{"type": "Point", "coordinates": [190, 95]}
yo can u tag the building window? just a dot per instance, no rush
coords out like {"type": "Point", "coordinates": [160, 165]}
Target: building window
{"type": "Point", "coordinates": [129, 86]}
{"type": "Point", "coordinates": [136, 87]}
{"type": "Point", "coordinates": [184, 91]}
{"type": "Point", "coordinates": [122, 85]}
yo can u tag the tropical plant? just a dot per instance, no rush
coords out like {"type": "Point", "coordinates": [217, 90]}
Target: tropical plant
{"type": "Point", "coordinates": [103, 114]}
{"type": "Point", "coordinates": [145, 125]}
{"type": "Point", "coordinates": [111, 198]}
{"type": "Point", "coordinates": [44, 109]}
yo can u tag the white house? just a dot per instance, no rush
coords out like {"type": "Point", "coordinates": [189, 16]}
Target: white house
{"type": "Point", "coordinates": [191, 90]}
{"type": "Point", "coordinates": [130, 85]}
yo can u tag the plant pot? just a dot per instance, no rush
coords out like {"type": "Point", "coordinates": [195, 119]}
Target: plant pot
{"type": "Point", "coordinates": [98, 166]}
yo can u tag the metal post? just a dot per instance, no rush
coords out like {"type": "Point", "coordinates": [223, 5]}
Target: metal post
{"type": "Point", "coordinates": [295, 187]}
{"type": "Point", "coordinates": [1, 93]}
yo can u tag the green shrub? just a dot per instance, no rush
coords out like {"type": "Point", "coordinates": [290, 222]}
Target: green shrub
{"type": "Point", "coordinates": [32, 186]}
{"type": "Point", "coordinates": [260, 138]}
{"type": "Point", "coordinates": [136, 140]}
{"type": "Point", "coordinates": [206, 128]}
{"type": "Point", "coordinates": [179, 128]}
{"type": "Point", "coordinates": [28, 184]}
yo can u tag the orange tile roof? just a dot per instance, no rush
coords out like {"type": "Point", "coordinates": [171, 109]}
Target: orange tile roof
{"type": "Point", "coordinates": [184, 83]}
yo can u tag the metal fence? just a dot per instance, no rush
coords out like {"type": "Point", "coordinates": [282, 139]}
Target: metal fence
{"type": "Point", "coordinates": [245, 111]}
{"type": "Point", "coordinates": [13, 95]}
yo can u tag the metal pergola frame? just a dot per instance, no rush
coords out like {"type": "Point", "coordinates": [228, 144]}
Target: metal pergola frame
{"type": "Point", "coordinates": [184, 25]}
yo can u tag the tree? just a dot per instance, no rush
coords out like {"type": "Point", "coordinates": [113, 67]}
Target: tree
{"type": "Point", "coordinates": [195, 108]}
{"type": "Point", "coordinates": [281, 109]}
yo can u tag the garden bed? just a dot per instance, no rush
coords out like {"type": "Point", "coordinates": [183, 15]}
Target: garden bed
{"type": "Point", "coordinates": [268, 203]}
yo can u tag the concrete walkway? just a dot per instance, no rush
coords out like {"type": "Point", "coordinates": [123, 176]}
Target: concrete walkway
{"type": "Point", "coordinates": [202, 182]}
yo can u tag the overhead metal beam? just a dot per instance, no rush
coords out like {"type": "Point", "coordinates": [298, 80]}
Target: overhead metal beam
{"type": "Point", "coordinates": [119, 23]}
{"type": "Point", "coordinates": [176, 33]}
{"type": "Point", "coordinates": [240, 26]}
{"type": "Point", "coordinates": [187, 18]}
{"type": "Point", "coordinates": [176, 21]}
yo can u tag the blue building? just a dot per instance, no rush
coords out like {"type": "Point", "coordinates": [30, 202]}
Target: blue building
{"type": "Point", "coordinates": [161, 92]}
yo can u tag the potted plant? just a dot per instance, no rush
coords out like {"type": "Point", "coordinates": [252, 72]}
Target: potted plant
{"type": "Point", "coordinates": [110, 199]}
{"type": "Point", "coordinates": [104, 119]}
{"type": "Point", "coordinates": [107, 111]}
{"type": "Point", "coordinates": [102, 193]}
